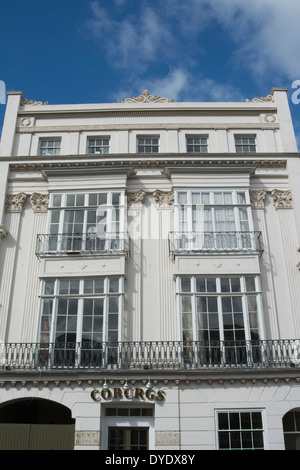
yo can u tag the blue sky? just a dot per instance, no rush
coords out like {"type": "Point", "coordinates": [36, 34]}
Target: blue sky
{"type": "Point", "coordinates": [78, 51]}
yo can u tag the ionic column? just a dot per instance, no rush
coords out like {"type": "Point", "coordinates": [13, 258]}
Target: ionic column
{"type": "Point", "coordinates": [14, 205]}
{"type": "Point", "coordinates": [133, 322]}
{"type": "Point", "coordinates": [267, 284]}
{"type": "Point", "coordinates": [39, 204]}
{"type": "Point", "coordinates": [282, 201]}
{"type": "Point", "coordinates": [168, 318]}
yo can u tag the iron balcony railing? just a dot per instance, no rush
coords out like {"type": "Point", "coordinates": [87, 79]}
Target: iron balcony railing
{"type": "Point", "coordinates": [156, 355]}
{"type": "Point", "coordinates": [77, 243]}
{"type": "Point", "coordinates": [215, 242]}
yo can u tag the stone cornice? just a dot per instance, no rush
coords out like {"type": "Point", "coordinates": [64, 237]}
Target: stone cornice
{"type": "Point", "coordinates": [169, 109]}
{"type": "Point", "coordinates": [131, 162]}
{"type": "Point", "coordinates": [158, 377]}
{"type": "Point", "coordinates": [150, 126]}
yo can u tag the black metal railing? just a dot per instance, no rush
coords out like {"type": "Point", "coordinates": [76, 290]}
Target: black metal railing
{"type": "Point", "coordinates": [141, 355]}
{"type": "Point", "coordinates": [215, 242]}
{"type": "Point", "coordinates": [77, 243]}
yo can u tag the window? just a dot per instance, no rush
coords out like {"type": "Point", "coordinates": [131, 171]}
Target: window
{"type": "Point", "coordinates": [213, 220]}
{"type": "Point", "coordinates": [197, 144]}
{"type": "Point", "coordinates": [77, 317]}
{"type": "Point", "coordinates": [98, 145]}
{"type": "Point", "coordinates": [245, 144]}
{"type": "Point", "coordinates": [291, 430]}
{"type": "Point", "coordinates": [123, 438]}
{"type": "Point", "coordinates": [240, 430]}
{"type": "Point", "coordinates": [221, 317]}
{"type": "Point", "coordinates": [148, 144]}
{"type": "Point", "coordinates": [86, 222]}
{"type": "Point", "coordinates": [49, 147]}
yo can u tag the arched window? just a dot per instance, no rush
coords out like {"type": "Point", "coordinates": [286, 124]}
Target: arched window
{"type": "Point", "coordinates": [291, 430]}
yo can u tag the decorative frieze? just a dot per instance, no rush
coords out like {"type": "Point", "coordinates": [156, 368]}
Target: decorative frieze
{"type": "Point", "coordinates": [136, 197]}
{"type": "Point", "coordinates": [15, 202]}
{"type": "Point", "coordinates": [282, 199]}
{"type": "Point", "coordinates": [257, 199]}
{"type": "Point", "coordinates": [164, 198]}
{"type": "Point", "coordinates": [39, 202]}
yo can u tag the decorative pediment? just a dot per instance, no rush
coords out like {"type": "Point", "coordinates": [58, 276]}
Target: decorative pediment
{"type": "Point", "coordinates": [146, 98]}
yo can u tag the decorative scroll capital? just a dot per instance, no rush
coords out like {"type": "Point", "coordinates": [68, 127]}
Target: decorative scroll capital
{"type": "Point", "coordinates": [282, 199]}
{"type": "Point", "coordinates": [164, 198]}
{"type": "Point", "coordinates": [25, 102]}
{"type": "Point", "coordinates": [262, 99]}
{"type": "Point", "coordinates": [15, 202]}
{"type": "Point", "coordinates": [146, 98]}
{"type": "Point", "coordinates": [39, 202]}
{"type": "Point", "coordinates": [136, 197]}
{"type": "Point", "coordinates": [257, 199]}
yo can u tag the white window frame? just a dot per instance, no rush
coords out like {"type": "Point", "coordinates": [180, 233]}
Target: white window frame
{"type": "Point", "coordinates": [203, 144]}
{"type": "Point", "coordinates": [128, 422]}
{"type": "Point", "coordinates": [152, 145]}
{"type": "Point", "coordinates": [190, 217]}
{"type": "Point", "coordinates": [50, 150]}
{"type": "Point", "coordinates": [243, 293]}
{"type": "Point", "coordinates": [99, 149]}
{"type": "Point", "coordinates": [245, 144]}
{"type": "Point", "coordinates": [241, 410]}
{"type": "Point", "coordinates": [112, 222]}
{"type": "Point", "coordinates": [80, 296]}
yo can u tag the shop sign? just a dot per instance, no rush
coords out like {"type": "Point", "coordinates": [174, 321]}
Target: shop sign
{"type": "Point", "coordinates": [131, 393]}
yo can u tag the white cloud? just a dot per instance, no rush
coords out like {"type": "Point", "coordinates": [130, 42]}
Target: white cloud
{"type": "Point", "coordinates": [172, 36]}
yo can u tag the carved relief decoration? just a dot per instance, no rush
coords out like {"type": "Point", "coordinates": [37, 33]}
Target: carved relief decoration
{"type": "Point", "coordinates": [146, 98]}
{"type": "Point", "coordinates": [163, 198]}
{"type": "Point", "coordinates": [24, 102]}
{"type": "Point", "coordinates": [282, 199]}
{"type": "Point", "coordinates": [15, 202]}
{"type": "Point", "coordinates": [39, 202]}
{"type": "Point", "coordinates": [262, 99]}
{"type": "Point", "coordinates": [257, 199]}
{"type": "Point", "coordinates": [136, 197]}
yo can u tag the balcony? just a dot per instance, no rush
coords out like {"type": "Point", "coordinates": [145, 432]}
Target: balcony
{"type": "Point", "coordinates": [182, 243]}
{"type": "Point", "coordinates": [152, 355]}
{"type": "Point", "coordinates": [82, 243]}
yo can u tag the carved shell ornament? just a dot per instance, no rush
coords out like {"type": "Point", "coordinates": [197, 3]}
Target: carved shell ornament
{"type": "Point", "coordinates": [146, 98]}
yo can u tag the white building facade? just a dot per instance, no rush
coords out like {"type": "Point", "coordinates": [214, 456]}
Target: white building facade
{"type": "Point", "coordinates": [149, 282]}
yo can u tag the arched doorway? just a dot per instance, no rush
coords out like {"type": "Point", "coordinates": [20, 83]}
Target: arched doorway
{"type": "Point", "coordinates": [36, 424]}
{"type": "Point", "coordinates": [291, 430]}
